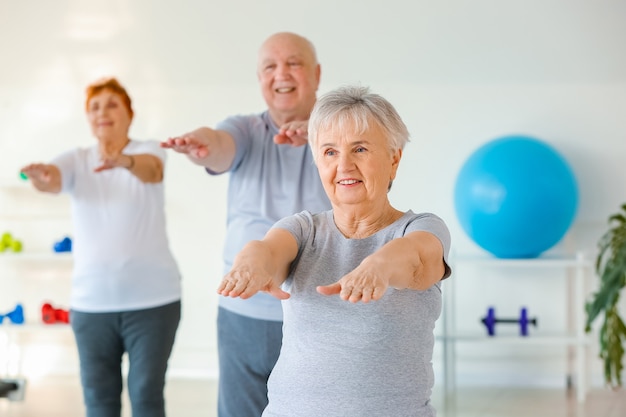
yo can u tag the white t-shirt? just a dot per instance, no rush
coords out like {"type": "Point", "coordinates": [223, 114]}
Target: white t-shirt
{"type": "Point", "coordinates": [122, 259]}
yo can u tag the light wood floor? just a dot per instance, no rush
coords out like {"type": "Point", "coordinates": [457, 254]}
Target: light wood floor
{"type": "Point", "coordinates": [61, 397]}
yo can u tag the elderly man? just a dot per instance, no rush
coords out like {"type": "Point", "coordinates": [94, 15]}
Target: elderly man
{"type": "Point", "coordinates": [271, 176]}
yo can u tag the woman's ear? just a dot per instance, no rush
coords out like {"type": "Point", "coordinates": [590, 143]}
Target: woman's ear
{"type": "Point", "coordinates": [395, 162]}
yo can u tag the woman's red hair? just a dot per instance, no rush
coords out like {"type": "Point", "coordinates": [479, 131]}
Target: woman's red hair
{"type": "Point", "coordinates": [113, 85]}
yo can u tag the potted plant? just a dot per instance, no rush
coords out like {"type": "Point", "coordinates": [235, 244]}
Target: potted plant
{"type": "Point", "coordinates": [611, 268]}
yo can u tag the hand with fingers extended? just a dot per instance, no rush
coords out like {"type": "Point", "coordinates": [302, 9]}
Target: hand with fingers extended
{"type": "Point", "coordinates": [363, 284]}
{"type": "Point", "coordinates": [293, 133]}
{"type": "Point", "coordinates": [119, 161]}
{"type": "Point", "coordinates": [190, 144]}
{"type": "Point", "coordinates": [38, 172]}
{"type": "Point", "coordinates": [44, 177]}
{"type": "Point", "coordinates": [246, 280]}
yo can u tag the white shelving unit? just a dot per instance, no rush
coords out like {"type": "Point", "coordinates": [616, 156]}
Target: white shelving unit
{"type": "Point", "coordinates": [577, 267]}
{"type": "Point", "coordinates": [37, 272]}
{"type": "Point", "coordinates": [11, 334]}
{"type": "Point", "coordinates": [39, 256]}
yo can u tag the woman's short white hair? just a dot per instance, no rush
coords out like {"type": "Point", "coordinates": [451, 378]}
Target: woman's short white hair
{"type": "Point", "coordinates": [355, 107]}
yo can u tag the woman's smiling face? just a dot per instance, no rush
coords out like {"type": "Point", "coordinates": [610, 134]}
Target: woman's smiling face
{"type": "Point", "coordinates": [108, 115]}
{"type": "Point", "coordinates": [356, 168]}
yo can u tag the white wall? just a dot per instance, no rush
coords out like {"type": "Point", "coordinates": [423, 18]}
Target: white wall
{"type": "Point", "coordinates": [460, 73]}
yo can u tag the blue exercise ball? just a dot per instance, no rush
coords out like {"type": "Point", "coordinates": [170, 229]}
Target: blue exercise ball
{"type": "Point", "coordinates": [516, 197]}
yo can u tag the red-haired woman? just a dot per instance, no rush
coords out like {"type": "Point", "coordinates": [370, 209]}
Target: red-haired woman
{"type": "Point", "coordinates": [126, 284]}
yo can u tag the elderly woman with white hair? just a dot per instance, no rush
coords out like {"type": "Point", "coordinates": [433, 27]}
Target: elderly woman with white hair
{"type": "Point", "coordinates": [360, 283]}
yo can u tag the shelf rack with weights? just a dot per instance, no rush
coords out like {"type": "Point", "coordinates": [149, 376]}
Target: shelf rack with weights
{"type": "Point", "coordinates": [577, 268]}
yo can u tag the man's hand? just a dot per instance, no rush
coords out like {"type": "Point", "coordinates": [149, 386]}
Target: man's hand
{"type": "Point", "coordinates": [188, 144]}
{"type": "Point", "coordinates": [293, 133]}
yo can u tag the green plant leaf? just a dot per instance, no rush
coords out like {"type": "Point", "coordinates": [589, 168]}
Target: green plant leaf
{"type": "Point", "coordinates": [610, 266]}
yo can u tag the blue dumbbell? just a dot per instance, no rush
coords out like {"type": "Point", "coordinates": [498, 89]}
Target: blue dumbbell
{"type": "Point", "coordinates": [490, 321]}
{"type": "Point", "coordinates": [16, 316]}
{"type": "Point", "coordinates": [64, 245]}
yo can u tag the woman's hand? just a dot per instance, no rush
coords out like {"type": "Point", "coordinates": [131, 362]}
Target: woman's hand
{"type": "Point", "coordinates": [147, 167]}
{"type": "Point", "coordinates": [261, 266]}
{"type": "Point", "coordinates": [414, 262]}
{"type": "Point", "coordinates": [123, 161]}
{"type": "Point", "coordinates": [367, 282]}
{"type": "Point", "coordinates": [244, 281]}
{"type": "Point", "coordinates": [38, 172]}
{"type": "Point", "coordinates": [44, 177]}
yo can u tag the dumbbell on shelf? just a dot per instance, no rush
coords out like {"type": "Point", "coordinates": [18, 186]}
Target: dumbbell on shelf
{"type": "Point", "coordinates": [16, 316]}
{"type": "Point", "coordinates": [52, 315]}
{"type": "Point", "coordinates": [63, 245]}
{"type": "Point", "coordinates": [12, 389]}
{"type": "Point", "coordinates": [490, 321]}
{"type": "Point", "coordinates": [9, 242]}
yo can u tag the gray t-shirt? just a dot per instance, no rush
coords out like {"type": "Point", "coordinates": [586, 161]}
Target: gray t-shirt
{"type": "Point", "coordinates": [343, 359]}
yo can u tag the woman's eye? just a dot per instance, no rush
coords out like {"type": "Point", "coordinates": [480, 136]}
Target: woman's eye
{"type": "Point", "coordinates": [360, 149]}
{"type": "Point", "coordinates": [329, 152]}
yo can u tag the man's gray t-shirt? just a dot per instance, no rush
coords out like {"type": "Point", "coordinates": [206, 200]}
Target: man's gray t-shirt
{"type": "Point", "coordinates": [267, 182]}
{"type": "Point", "coordinates": [344, 359]}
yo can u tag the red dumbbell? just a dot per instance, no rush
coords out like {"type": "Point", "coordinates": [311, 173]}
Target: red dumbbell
{"type": "Point", "coordinates": [51, 315]}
